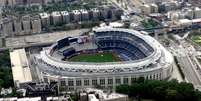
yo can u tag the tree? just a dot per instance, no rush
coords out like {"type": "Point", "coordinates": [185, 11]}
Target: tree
{"type": "Point", "coordinates": [159, 93]}
{"type": "Point", "coordinates": [123, 89]}
{"type": "Point", "coordinates": [171, 95]}
{"type": "Point", "coordinates": [140, 79]}
{"type": "Point", "coordinates": [161, 90]}
{"type": "Point", "coordinates": [6, 79]}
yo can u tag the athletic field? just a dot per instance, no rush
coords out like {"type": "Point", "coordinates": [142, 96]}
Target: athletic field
{"type": "Point", "coordinates": [96, 57]}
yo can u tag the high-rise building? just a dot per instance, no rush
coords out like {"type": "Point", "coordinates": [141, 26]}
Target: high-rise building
{"type": "Point", "coordinates": [56, 18]}
{"type": "Point", "coordinates": [104, 12]}
{"type": "Point", "coordinates": [145, 9]}
{"type": "Point", "coordinates": [76, 15]}
{"type": "Point", "coordinates": [169, 6]}
{"type": "Point", "coordinates": [45, 19]}
{"type": "Point", "coordinates": [154, 8]}
{"type": "Point", "coordinates": [197, 12]}
{"type": "Point", "coordinates": [17, 26]}
{"type": "Point", "coordinates": [85, 15]}
{"type": "Point", "coordinates": [65, 17]}
{"type": "Point", "coordinates": [95, 14]}
{"type": "Point", "coordinates": [7, 27]}
{"type": "Point", "coordinates": [188, 13]}
{"type": "Point", "coordinates": [112, 13]}
{"type": "Point", "coordinates": [1, 42]}
{"type": "Point", "coordinates": [26, 24]}
{"type": "Point", "coordinates": [36, 24]}
{"type": "Point", "coordinates": [1, 28]}
{"type": "Point", "coordinates": [26, 2]}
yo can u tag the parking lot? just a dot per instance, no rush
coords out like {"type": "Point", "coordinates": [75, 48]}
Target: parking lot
{"type": "Point", "coordinates": [40, 39]}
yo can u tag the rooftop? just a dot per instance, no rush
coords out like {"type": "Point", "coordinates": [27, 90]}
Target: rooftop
{"type": "Point", "coordinates": [105, 96]}
{"type": "Point", "coordinates": [56, 14]}
{"type": "Point", "coordinates": [76, 11]}
{"type": "Point", "coordinates": [44, 15]}
{"type": "Point", "coordinates": [20, 68]}
{"type": "Point", "coordinates": [64, 13]}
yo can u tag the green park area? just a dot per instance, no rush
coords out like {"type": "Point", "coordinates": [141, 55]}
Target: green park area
{"type": "Point", "coordinates": [150, 23]}
{"type": "Point", "coordinates": [196, 39]}
{"type": "Point", "coordinates": [96, 57]}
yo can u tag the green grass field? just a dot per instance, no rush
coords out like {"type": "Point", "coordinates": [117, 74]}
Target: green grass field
{"type": "Point", "coordinates": [196, 39]}
{"type": "Point", "coordinates": [97, 57]}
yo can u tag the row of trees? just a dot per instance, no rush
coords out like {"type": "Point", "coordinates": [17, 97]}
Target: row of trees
{"type": "Point", "coordinates": [6, 80]}
{"type": "Point", "coordinates": [72, 26]}
{"type": "Point", "coordinates": [161, 90]}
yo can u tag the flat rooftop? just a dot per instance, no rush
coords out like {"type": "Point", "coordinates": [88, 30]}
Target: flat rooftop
{"type": "Point", "coordinates": [20, 67]}
{"type": "Point", "coordinates": [106, 96]}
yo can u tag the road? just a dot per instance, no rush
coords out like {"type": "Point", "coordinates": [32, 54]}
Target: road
{"type": "Point", "coordinates": [188, 69]}
{"type": "Point", "coordinates": [118, 5]}
{"type": "Point", "coordinates": [131, 5]}
{"type": "Point", "coordinates": [189, 52]}
{"type": "Point", "coordinates": [185, 61]}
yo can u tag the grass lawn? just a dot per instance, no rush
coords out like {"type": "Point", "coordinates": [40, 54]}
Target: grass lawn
{"type": "Point", "coordinates": [96, 57]}
{"type": "Point", "coordinates": [196, 39]}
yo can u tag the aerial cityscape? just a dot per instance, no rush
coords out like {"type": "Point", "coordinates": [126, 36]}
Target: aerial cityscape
{"type": "Point", "coordinates": [100, 50]}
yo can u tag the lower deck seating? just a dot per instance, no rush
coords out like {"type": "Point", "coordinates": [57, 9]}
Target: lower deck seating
{"type": "Point", "coordinates": [124, 49]}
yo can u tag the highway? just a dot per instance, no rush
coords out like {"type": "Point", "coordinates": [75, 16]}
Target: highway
{"type": "Point", "coordinates": [118, 5]}
{"type": "Point", "coordinates": [188, 69]}
{"type": "Point", "coordinates": [185, 61]}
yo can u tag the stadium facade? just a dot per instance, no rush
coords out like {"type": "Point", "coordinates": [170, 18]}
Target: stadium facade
{"type": "Point", "coordinates": [140, 54]}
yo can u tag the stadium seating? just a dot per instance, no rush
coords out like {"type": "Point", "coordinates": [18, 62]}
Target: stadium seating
{"type": "Point", "coordinates": [128, 46]}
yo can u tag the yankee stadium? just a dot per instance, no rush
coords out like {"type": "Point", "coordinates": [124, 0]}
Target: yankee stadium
{"type": "Point", "coordinates": [104, 57]}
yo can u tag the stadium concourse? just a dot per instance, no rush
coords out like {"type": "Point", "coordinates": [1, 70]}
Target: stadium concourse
{"type": "Point", "coordinates": [80, 62]}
